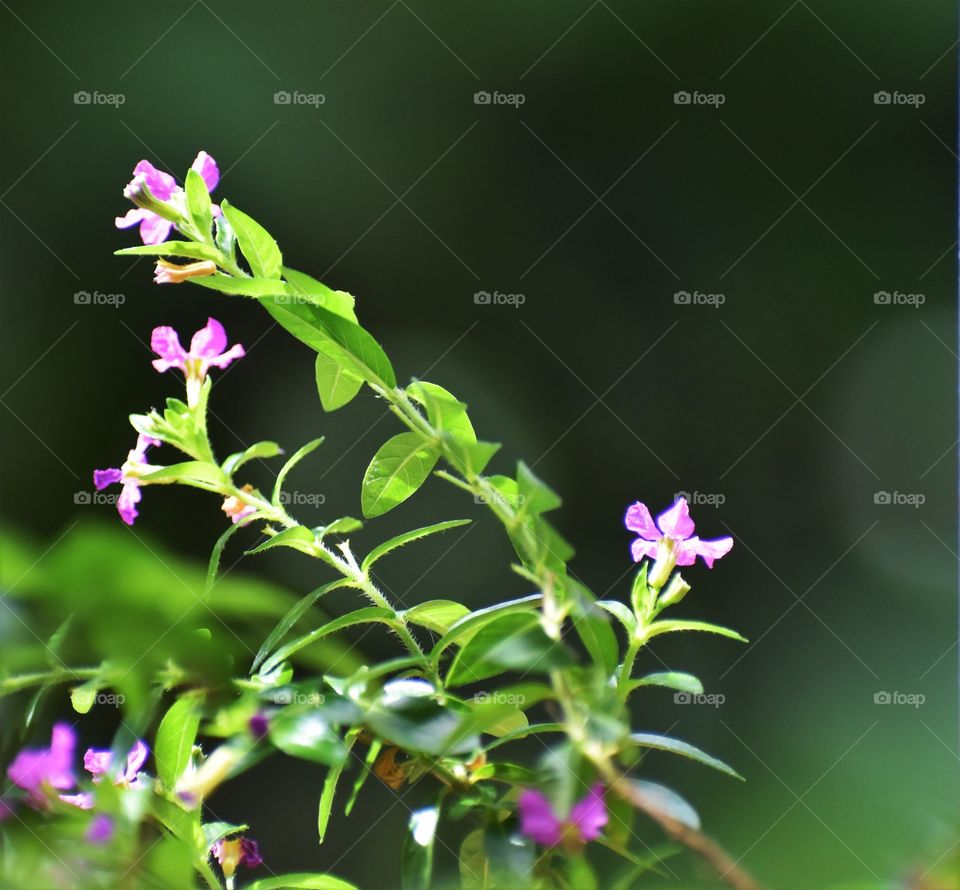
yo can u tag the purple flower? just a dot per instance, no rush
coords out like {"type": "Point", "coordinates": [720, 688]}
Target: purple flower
{"type": "Point", "coordinates": [36, 770]}
{"type": "Point", "coordinates": [207, 347]}
{"type": "Point", "coordinates": [129, 475]}
{"type": "Point", "coordinates": [98, 764]}
{"type": "Point", "coordinates": [234, 852]}
{"type": "Point", "coordinates": [673, 530]}
{"type": "Point", "coordinates": [162, 187]}
{"type": "Point", "coordinates": [585, 822]}
{"type": "Point", "coordinates": [259, 725]}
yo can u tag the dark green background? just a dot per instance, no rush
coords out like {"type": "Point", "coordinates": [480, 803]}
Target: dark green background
{"type": "Point", "coordinates": [797, 400]}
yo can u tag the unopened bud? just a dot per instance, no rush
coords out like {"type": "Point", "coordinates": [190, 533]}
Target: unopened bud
{"type": "Point", "coordinates": [139, 193]}
{"type": "Point", "coordinates": [664, 564]}
{"type": "Point", "coordinates": [174, 273]}
{"type": "Point", "coordinates": [676, 590]}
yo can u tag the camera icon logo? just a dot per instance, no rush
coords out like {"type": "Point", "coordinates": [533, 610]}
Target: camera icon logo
{"type": "Point", "coordinates": [482, 98]}
{"type": "Point", "coordinates": [283, 697]}
{"type": "Point", "coordinates": [482, 298]}
{"type": "Point", "coordinates": [82, 298]}
{"type": "Point", "coordinates": [82, 498]}
{"type": "Point", "coordinates": [881, 698]}
{"type": "Point", "coordinates": [81, 97]}
{"type": "Point", "coordinates": [282, 97]}
{"type": "Point", "coordinates": [682, 97]}
{"type": "Point", "coordinates": [881, 97]}
{"type": "Point", "coordinates": [681, 698]}
{"type": "Point", "coordinates": [682, 298]}
{"type": "Point", "coordinates": [882, 298]}
{"type": "Point", "coordinates": [882, 497]}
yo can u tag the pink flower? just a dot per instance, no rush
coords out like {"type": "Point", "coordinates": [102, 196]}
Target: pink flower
{"type": "Point", "coordinates": [237, 508]}
{"type": "Point", "coordinates": [98, 764]}
{"type": "Point", "coordinates": [129, 474]}
{"type": "Point", "coordinates": [233, 852]}
{"type": "Point", "coordinates": [208, 347]}
{"type": "Point", "coordinates": [673, 528]}
{"type": "Point", "coordinates": [585, 822]}
{"type": "Point", "coordinates": [150, 185]}
{"type": "Point", "coordinates": [37, 770]}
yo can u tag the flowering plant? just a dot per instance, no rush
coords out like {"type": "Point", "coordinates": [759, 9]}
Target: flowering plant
{"type": "Point", "coordinates": [551, 663]}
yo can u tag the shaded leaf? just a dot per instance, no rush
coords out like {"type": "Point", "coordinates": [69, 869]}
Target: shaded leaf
{"type": "Point", "coordinates": [675, 746]}
{"type": "Point", "coordinates": [407, 537]}
{"type": "Point", "coordinates": [256, 243]}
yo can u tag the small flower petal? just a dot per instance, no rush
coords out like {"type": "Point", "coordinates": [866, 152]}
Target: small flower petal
{"type": "Point", "coordinates": [97, 763]}
{"type": "Point", "coordinates": [135, 759]}
{"type": "Point", "coordinates": [590, 814]}
{"type": "Point", "coordinates": [154, 229]}
{"type": "Point", "coordinates": [537, 819]}
{"type": "Point", "coordinates": [103, 478]}
{"type": "Point", "coordinates": [85, 800]}
{"type": "Point", "coordinates": [709, 551]}
{"type": "Point", "coordinates": [676, 522]}
{"type": "Point", "coordinates": [209, 341]}
{"type": "Point", "coordinates": [162, 185]}
{"type": "Point", "coordinates": [127, 502]}
{"type": "Point", "coordinates": [639, 520]}
{"type": "Point", "coordinates": [165, 342]}
{"type": "Point", "coordinates": [206, 166]}
{"type": "Point", "coordinates": [641, 548]}
{"type": "Point", "coordinates": [100, 830]}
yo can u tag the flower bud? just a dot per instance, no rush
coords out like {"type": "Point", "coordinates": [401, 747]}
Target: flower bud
{"type": "Point", "coordinates": [676, 590]}
{"type": "Point", "coordinates": [139, 193]}
{"type": "Point", "coordinates": [175, 273]}
{"type": "Point", "coordinates": [666, 561]}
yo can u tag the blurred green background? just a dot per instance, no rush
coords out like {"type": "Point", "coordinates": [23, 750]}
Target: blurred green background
{"type": "Point", "coordinates": [786, 412]}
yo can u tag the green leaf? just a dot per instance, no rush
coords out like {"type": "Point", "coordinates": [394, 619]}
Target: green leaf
{"type": "Point", "coordinates": [191, 472]}
{"type": "Point", "coordinates": [640, 598]}
{"type": "Point", "coordinates": [671, 680]}
{"type": "Point", "coordinates": [535, 497]}
{"type": "Point", "coordinates": [511, 857]}
{"type": "Point", "coordinates": [307, 735]}
{"type": "Point", "coordinates": [298, 537]}
{"type": "Point", "coordinates": [342, 526]}
{"type": "Point", "coordinates": [397, 470]}
{"type": "Point", "coordinates": [188, 249]}
{"type": "Point", "coordinates": [291, 618]}
{"type": "Point", "coordinates": [258, 451]}
{"type": "Point", "coordinates": [258, 288]}
{"type": "Point", "coordinates": [337, 301]}
{"type": "Point", "coordinates": [593, 628]}
{"type": "Point", "coordinates": [416, 855]}
{"type": "Point", "coordinates": [215, 555]}
{"type": "Point", "coordinates": [198, 201]}
{"type": "Point", "coordinates": [337, 381]}
{"type": "Point", "coordinates": [365, 772]}
{"type": "Point", "coordinates": [675, 746]}
{"type": "Point", "coordinates": [444, 411]}
{"type": "Point", "coordinates": [295, 458]}
{"type": "Point", "coordinates": [436, 615]}
{"type": "Point", "coordinates": [359, 616]}
{"type": "Point", "coordinates": [407, 537]}
{"type": "Point", "coordinates": [302, 881]}
{"type": "Point", "coordinates": [471, 623]}
{"type": "Point", "coordinates": [665, 627]}
{"type": "Point", "coordinates": [511, 642]}
{"type": "Point", "coordinates": [315, 325]}
{"type": "Point", "coordinates": [470, 457]}
{"type": "Point", "coordinates": [174, 740]}
{"type": "Point", "coordinates": [418, 723]}
{"type": "Point", "coordinates": [658, 800]}
{"type": "Point", "coordinates": [330, 787]}
{"type": "Point", "coordinates": [621, 613]}
{"type": "Point", "coordinates": [474, 866]}
{"type": "Point", "coordinates": [256, 243]}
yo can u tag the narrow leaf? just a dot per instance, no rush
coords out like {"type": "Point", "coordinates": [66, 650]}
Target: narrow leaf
{"type": "Point", "coordinates": [256, 243]}
{"type": "Point", "coordinates": [684, 749]}
{"type": "Point", "coordinates": [174, 740]}
{"type": "Point", "coordinates": [407, 537]}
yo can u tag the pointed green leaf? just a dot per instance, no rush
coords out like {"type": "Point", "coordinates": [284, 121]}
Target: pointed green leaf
{"type": "Point", "coordinates": [258, 288]}
{"type": "Point", "coordinates": [407, 537]}
{"type": "Point", "coordinates": [174, 740]}
{"type": "Point", "coordinates": [302, 881]}
{"type": "Point", "coordinates": [330, 787]}
{"type": "Point", "coordinates": [470, 624]}
{"type": "Point", "coordinates": [397, 470]}
{"type": "Point", "coordinates": [671, 680]}
{"type": "Point", "coordinates": [444, 411]}
{"type": "Point", "coordinates": [307, 735]}
{"type": "Point", "coordinates": [298, 537]}
{"type": "Point", "coordinates": [535, 496]}
{"type": "Point", "coordinates": [337, 382]}
{"type": "Point", "coordinates": [295, 458]}
{"type": "Point", "coordinates": [198, 201]}
{"type": "Point", "coordinates": [436, 615]}
{"type": "Point", "coordinates": [337, 301]}
{"type": "Point", "coordinates": [621, 613]}
{"type": "Point", "coordinates": [256, 243]}
{"type": "Point", "coordinates": [684, 749]}
{"type": "Point", "coordinates": [665, 627]}
{"type": "Point", "coordinates": [188, 249]}
{"type": "Point", "coordinates": [257, 451]}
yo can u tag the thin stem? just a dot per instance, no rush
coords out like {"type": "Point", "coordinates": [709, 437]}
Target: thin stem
{"type": "Point", "coordinates": [60, 675]}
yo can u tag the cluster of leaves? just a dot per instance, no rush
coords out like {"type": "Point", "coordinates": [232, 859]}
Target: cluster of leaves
{"type": "Point", "coordinates": [557, 663]}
